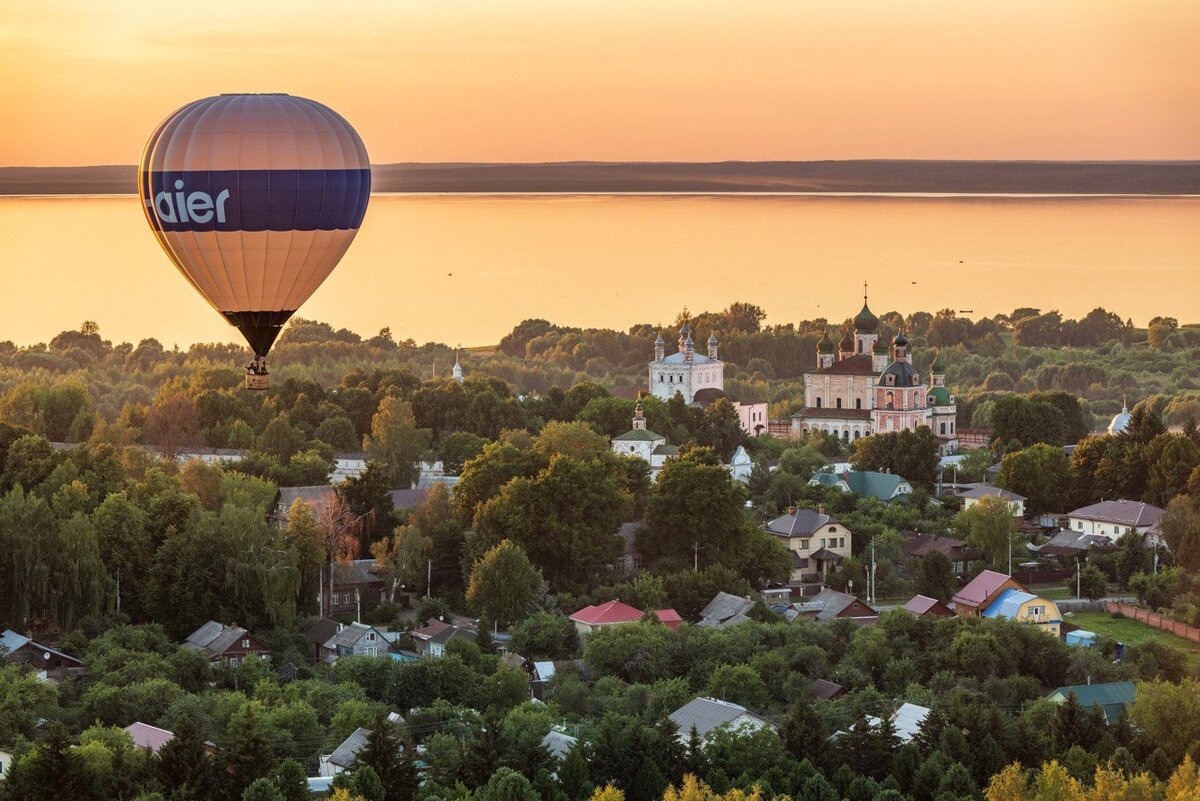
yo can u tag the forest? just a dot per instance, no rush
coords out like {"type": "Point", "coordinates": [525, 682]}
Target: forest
{"type": "Point", "coordinates": [118, 551]}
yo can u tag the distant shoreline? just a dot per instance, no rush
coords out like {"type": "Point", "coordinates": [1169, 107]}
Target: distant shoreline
{"type": "Point", "coordinates": [865, 177]}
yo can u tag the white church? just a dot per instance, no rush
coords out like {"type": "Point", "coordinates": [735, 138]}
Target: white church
{"type": "Point", "coordinates": [699, 379]}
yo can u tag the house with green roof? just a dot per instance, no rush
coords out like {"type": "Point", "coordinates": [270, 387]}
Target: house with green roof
{"type": "Point", "coordinates": [1114, 697]}
{"type": "Point", "coordinates": [885, 487]}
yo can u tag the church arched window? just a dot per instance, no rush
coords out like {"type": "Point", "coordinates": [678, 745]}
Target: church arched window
{"type": "Point", "coordinates": [818, 401]}
{"type": "Point", "coordinates": [858, 403]}
{"type": "Point", "coordinates": [839, 403]}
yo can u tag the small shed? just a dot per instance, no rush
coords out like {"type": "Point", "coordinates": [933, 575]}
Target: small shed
{"type": "Point", "coordinates": [1081, 638]}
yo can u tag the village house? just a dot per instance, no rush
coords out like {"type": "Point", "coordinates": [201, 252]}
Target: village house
{"type": "Point", "coordinates": [344, 756]}
{"type": "Point", "coordinates": [706, 715]}
{"type": "Point", "coordinates": [829, 604]}
{"type": "Point", "coordinates": [225, 644]}
{"type": "Point", "coordinates": [818, 542]}
{"type": "Point", "coordinates": [37, 656]}
{"type": "Point", "coordinates": [1114, 698]}
{"type": "Point", "coordinates": [971, 497]}
{"type": "Point", "coordinates": [1025, 607]}
{"type": "Point", "coordinates": [924, 606]}
{"type": "Point", "coordinates": [354, 639]}
{"type": "Point", "coordinates": [1113, 518]}
{"type": "Point", "coordinates": [959, 552]}
{"type": "Point", "coordinates": [6, 760]}
{"type": "Point", "coordinates": [613, 613]}
{"type": "Point", "coordinates": [431, 639]}
{"type": "Point", "coordinates": [826, 690]}
{"type": "Point", "coordinates": [724, 610]}
{"type": "Point", "coordinates": [884, 487]}
{"type": "Point", "coordinates": [979, 593]}
{"type": "Point", "coordinates": [359, 586]}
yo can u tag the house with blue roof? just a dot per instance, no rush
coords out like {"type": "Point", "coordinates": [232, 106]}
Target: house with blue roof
{"type": "Point", "coordinates": [1025, 607]}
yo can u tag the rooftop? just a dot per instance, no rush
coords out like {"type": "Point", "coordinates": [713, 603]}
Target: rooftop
{"type": "Point", "coordinates": [989, 491]}
{"type": "Point", "coordinates": [801, 523]}
{"type": "Point", "coordinates": [980, 588]}
{"type": "Point", "coordinates": [1121, 512]}
{"type": "Point", "coordinates": [707, 714]}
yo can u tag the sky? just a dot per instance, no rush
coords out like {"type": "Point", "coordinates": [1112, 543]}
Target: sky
{"type": "Point", "coordinates": [86, 81]}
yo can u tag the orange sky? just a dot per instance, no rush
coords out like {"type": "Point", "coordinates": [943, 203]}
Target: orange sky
{"type": "Point", "coordinates": [85, 81]}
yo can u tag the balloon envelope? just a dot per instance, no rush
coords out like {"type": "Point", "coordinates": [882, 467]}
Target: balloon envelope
{"type": "Point", "coordinates": [255, 198]}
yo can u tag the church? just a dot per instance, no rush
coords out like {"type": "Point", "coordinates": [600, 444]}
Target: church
{"type": "Point", "coordinates": [699, 379]}
{"type": "Point", "coordinates": [862, 386]}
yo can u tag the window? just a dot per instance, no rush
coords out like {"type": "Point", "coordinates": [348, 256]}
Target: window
{"type": "Point", "coordinates": [839, 403]}
{"type": "Point", "coordinates": [370, 636]}
{"type": "Point", "coordinates": [1037, 611]}
{"type": "Point", "coordinates": [804, 545]}
{"type": "Point", "coordinates": [372, 651]}
{"type": "Point", "coordinates": [832, 529]}
{"type": "Point", "coordinates": [818, 401]}
{"type": "Point", "coordinates": [858, 403]}
{"type": "Point", "coordinates": [803, 564]}
{"type": "Point", "coordinates": [660, 378]}
{"type": "Point", "coordinates": [891, 379]}
{"type": "Point", "coordinates": [245, 644]}
{"type": "Point", "coordinates": [942, 428]}
{"type": "Point", "coordinates": [233, 661]}
{"type": "Point", "coordinates": [951, 426]}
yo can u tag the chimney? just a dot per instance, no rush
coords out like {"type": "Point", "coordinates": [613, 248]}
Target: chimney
{"type": "Point", "coordinates": [821, 509]}
{"type": "Point", "coordinates": [791, 510]}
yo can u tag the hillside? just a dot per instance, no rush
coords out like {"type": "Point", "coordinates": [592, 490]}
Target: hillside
{"type": "Point", "coordinates": [1021, 177]}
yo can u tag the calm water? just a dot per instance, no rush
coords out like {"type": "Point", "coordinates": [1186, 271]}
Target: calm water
{"type": "Point", "coordinates": [465, 269]}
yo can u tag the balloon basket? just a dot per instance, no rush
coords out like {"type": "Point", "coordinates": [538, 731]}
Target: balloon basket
{"type": "Point", "coordinates": [258, 382]}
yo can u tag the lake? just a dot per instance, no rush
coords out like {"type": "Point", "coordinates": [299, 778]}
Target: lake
{"type": "Point", "coordinates": [463, 269]}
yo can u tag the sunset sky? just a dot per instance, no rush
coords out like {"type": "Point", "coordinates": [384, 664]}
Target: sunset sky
{"type": "Point", "coordinates": [544, 80]}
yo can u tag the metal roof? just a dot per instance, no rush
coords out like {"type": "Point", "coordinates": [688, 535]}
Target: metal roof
{"type": "Point", "coordinates": [707, 714]}
{"type": "Point", "coordinates": [1123, 512]}
{"type": "Point", "coordinates": [343, 756]}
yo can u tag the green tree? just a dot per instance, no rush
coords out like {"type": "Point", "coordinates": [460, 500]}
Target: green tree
{"type": "Point", "coordinates": [262, 789]}
{"type": "Point", "coordinates": [573, 775]}
{"type": "Point", "coordinates": [933, 576]}
{"type": "Point", "coordinates": [504, 584]}
{"type": "Point", "coordinates": [721, 429]}
{"type": "Point", "coordinates": [251, 754]}
{"type": "Point", "coordinates": [565, 518]}
{"type": "Point", "coordinates": [739, 684]}
{"type": "Point", "coordinates": [1092, 583]}
{"type": "Point", "coordinates": [1042, 473]}
{"type": "Point", "coordinates": [695, 512]}
{"type": "Point", "coordinates": [124, 542]}
{"type": "Point", "coordinates": [396, 442]}
{"type": "Point", "coordinates": [912, 454]}
{"type": "Point", "coordinates": [989, 525]}
{"type": "Point", "coordinates": [545, 636]}
{"type": "Point", "coordinates": [391, 760]}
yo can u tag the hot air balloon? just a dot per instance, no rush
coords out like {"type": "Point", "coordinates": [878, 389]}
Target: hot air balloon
{"type": "Point", "coordinates": [255, 198]}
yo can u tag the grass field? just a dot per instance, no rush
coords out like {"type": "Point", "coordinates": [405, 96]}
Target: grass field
{"type": "Point", "coordinates": [1131, 632]}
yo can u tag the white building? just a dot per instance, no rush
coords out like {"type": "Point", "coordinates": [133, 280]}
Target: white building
{"type": "Point", "coordinates": [685, 372]}
{"type": "Point", "coordinates": [1112, 519]}
{"type": "Point", "coordinates": [1016, 503]}
{"type": "Point", "coordinates": [698, 379]}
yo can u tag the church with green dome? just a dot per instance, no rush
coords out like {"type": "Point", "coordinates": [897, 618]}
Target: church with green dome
{"type": "Point", "coordinates": [861, 387]}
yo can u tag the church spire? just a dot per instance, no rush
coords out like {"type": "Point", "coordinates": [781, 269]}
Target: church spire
{"type": "Point", "coordinates": [458, 371]}
{"type": "Point", "coordinates": [639, 418]}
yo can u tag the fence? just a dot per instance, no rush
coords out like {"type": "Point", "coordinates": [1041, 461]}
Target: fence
{"type": "Point", "coordinates": [1031, 576]}
{"type": "Point", "coordinates": [1155, 620]}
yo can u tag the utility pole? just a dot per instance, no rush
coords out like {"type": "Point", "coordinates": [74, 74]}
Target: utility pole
{"type": "Point", "coordinates": [871, 584]}
{"type": "Point", "coordinates": [119, 584]}
{"type": "Point", "coordinates": [428, 576]}
{"type": "Point", "coordinates": [1078, 593]}
{"type": "Point", "coordinates": [696, 556]}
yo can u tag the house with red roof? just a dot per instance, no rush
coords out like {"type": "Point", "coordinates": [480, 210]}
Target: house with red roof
{"type": "Point", "coordinates": [979, 593]}
{"type": "Point", "coordinates": [591, 618]}
{"type": "Point", "coordinates": [922, 605]}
